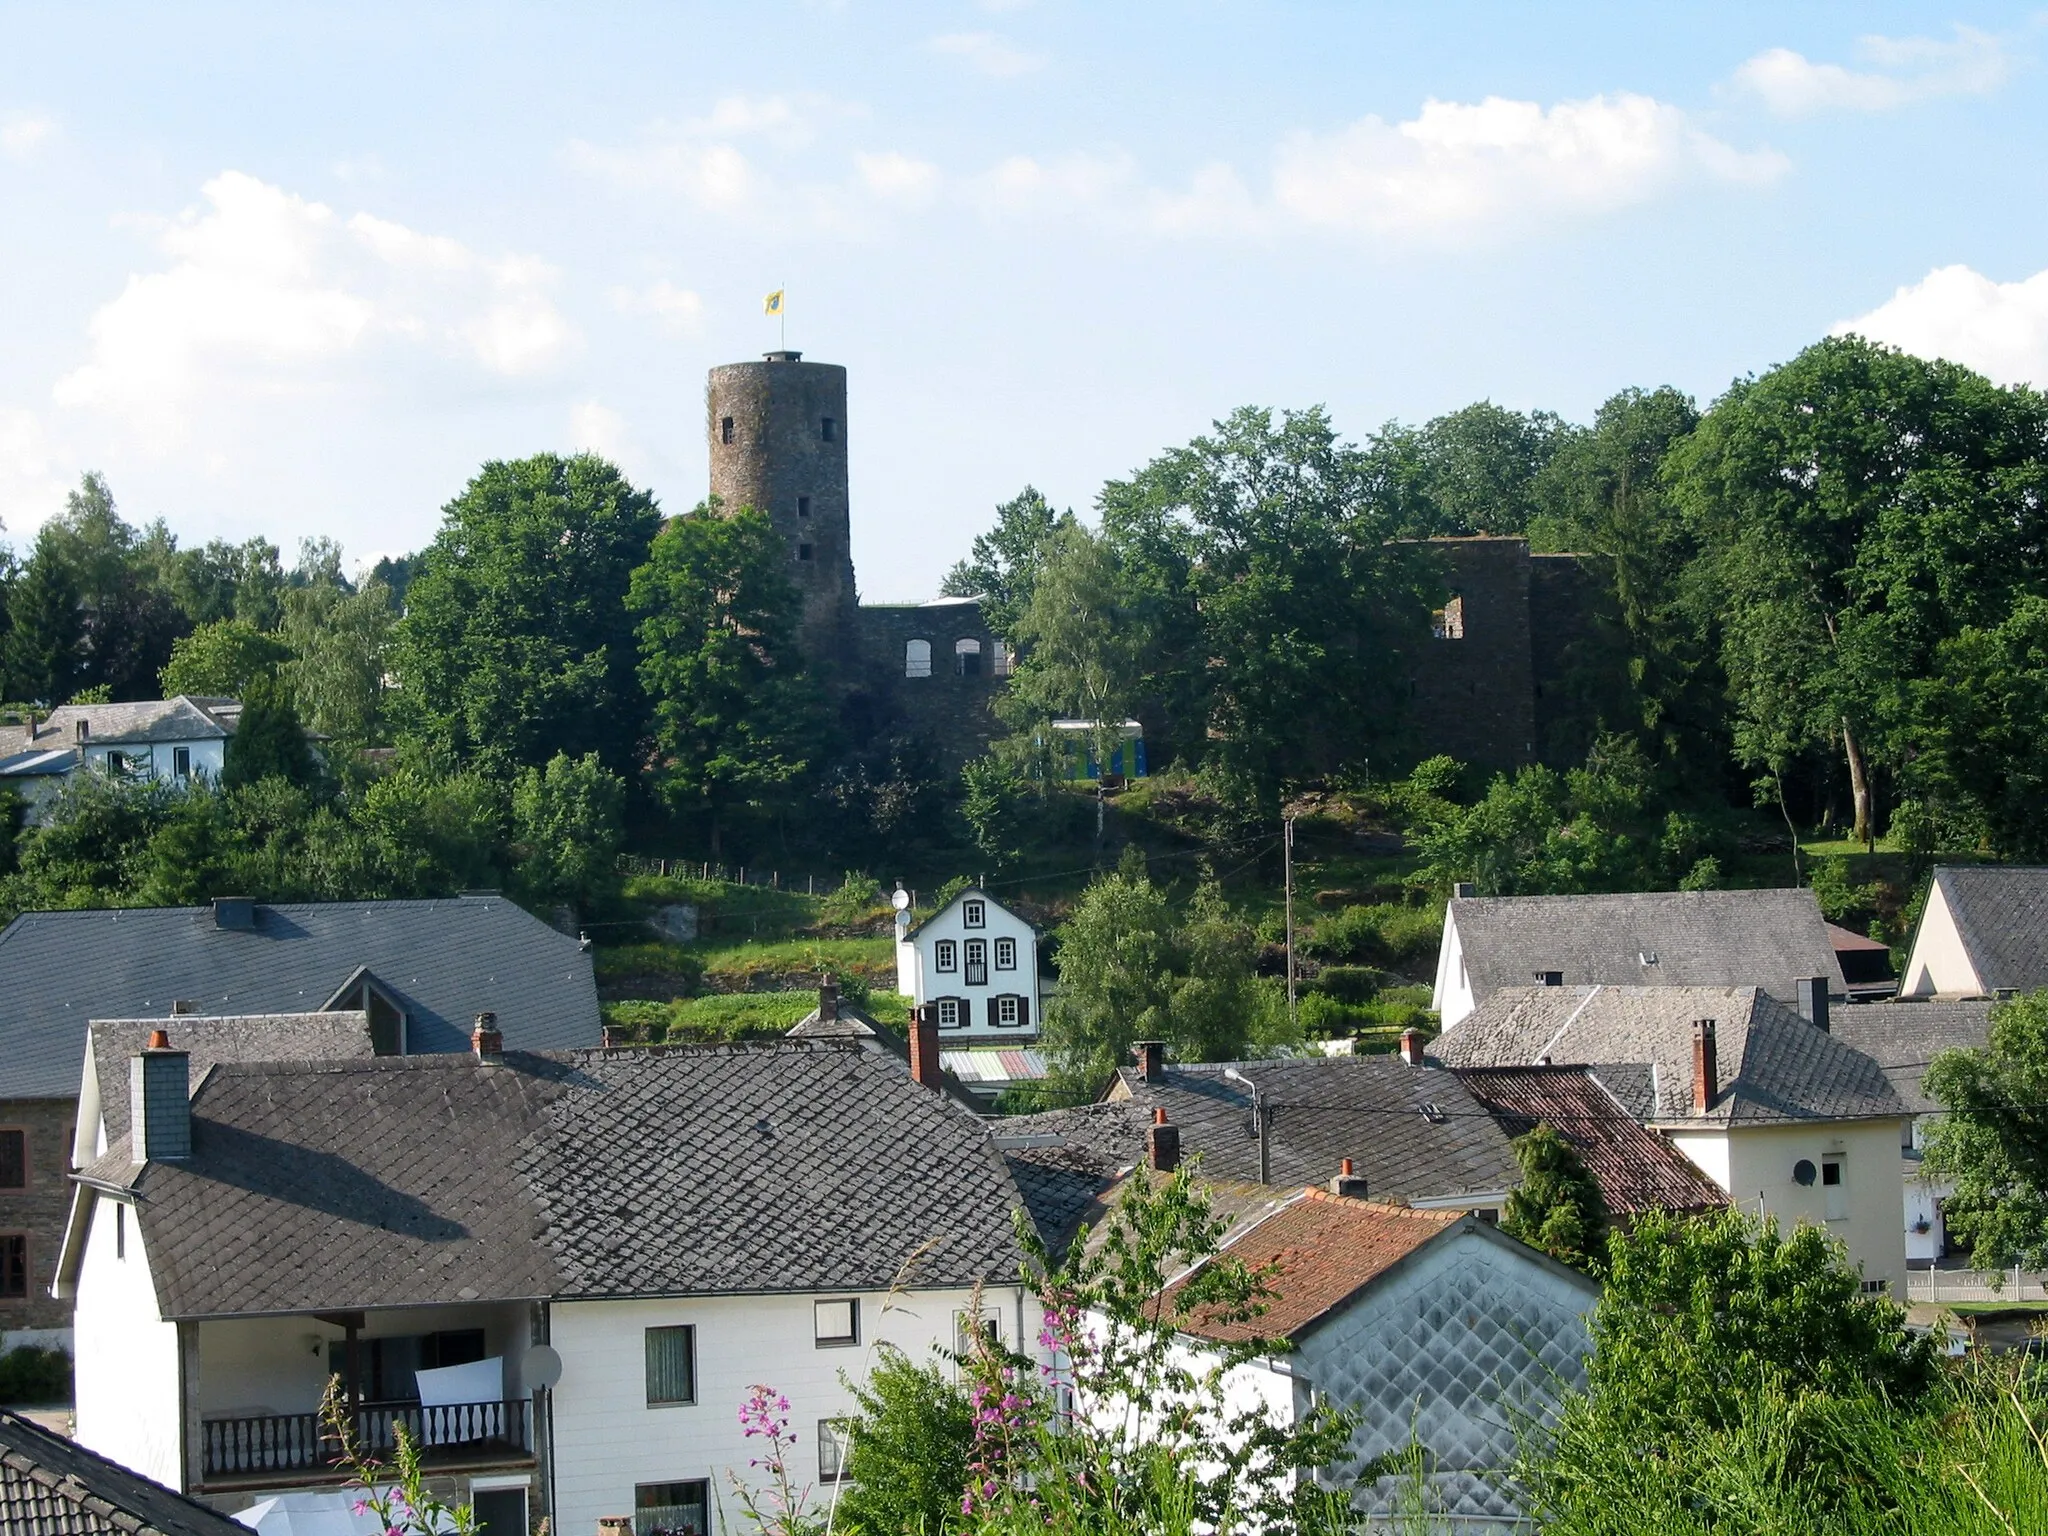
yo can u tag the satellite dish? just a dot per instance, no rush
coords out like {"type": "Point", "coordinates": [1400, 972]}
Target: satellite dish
{"type": "Point", "coordinates": [540, 1366]}
{"type": "Point", "coordinates": [1803, 1172]}
{"type": "Point", "coordinates": [901, 900]}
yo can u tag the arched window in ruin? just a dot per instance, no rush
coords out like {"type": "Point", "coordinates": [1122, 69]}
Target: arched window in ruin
{"type": "Point", "coordinates": [967, 657]}
{"type": "Point", "coordinates": [917, 658]}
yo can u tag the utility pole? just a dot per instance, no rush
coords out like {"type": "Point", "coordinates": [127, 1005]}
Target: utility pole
{"type": "Point", "coordinates": [1287, 855]}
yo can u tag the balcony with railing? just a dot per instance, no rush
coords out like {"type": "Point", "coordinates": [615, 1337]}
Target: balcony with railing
{"type": "Point", "coordinates": [274, 1447]}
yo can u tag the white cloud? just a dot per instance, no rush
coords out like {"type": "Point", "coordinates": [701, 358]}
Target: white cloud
{"type": "Point", "coordinates": [597, 428]}
{"type": "Point", "coordinates": [1999, 329]}
{"type": "Point", "coordinates": [23, 133]}
{"type": "Point", "coordinates": [1904, 70]}
{"type": "Point", "coordinates": [988, 53]}
{"type": "Point", "coordinates": [898, 178]}
{"type": "Point", "coordinates": [267, 294]}
{"type": "Point", "coordinates": [1460, 164]}
{"type": "Point", "coordinates": [1023, 184]}
{"type": "Point", "coordinates": [679, 309]}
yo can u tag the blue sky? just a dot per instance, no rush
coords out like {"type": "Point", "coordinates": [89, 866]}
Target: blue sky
{"type": "Point", "coordinates": [300, 269]}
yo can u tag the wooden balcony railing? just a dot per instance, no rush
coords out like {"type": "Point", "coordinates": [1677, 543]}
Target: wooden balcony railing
{"type": "Point", "coordinates": [289, 1443]}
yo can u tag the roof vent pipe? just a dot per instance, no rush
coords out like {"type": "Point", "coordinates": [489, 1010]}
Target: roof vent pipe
{"type": "Point", "coordinates": [1812, 992]}
{"type": "Point", "coordinates": [159, 1103]}
{"type": "Point", "coordinates": [1348, 1185]}
{"type": "Point", "coordinates": [1162, 1143]}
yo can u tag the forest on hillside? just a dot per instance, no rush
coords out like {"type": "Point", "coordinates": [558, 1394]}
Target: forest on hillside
{"type": "Point", "coordinates": [1827, 607]}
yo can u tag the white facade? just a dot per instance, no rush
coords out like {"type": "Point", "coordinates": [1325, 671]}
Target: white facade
{"type": "Point", "coordinates": [126, 1360]}
{"type": "Point", "coordinates": [610, 1441]}
{"type": "Point", "coordinates": [978, 961]}
{"type": "Point", "coordinates": [1452, 997]}
{"type": "Point", "coordinates": [1854, 1192]}
{"type": "Point", "coordinates": [1940, 964]}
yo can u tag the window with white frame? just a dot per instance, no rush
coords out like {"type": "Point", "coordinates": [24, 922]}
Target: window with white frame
{"type": "Point", "coordinates": [946, 955]}
{"type": "Point", "coordinates": [1835, 1188]}
{"type": "Point", "coordinates": [181, 762]}
{"type": "Point", "coordinates": [973, 914]}
{"type": "Point", "coordinates": [1006, 954]}
{"type": "Point", "coordinates": [976, 973]}
{"type": "Point", "coordinates": [952, 1012]}
{"type": "Point", "coordinates": [836, 1322]}
{"type": "Point", "coordinates": [1008, 1011]}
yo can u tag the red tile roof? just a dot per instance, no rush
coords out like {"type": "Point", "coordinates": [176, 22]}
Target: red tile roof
{"type": "Point", "coordinates": [1637, 1169]}
{"type": "Point", "coordinates": [1324, 1249]}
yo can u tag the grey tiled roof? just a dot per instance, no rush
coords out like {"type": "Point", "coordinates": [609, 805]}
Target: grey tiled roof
{"type": "Point", "coordinates": [446, 961]}
{"type": "Point", "coordinates": [1772, 1066]}
{"type": "Point", "coordinates": [183, 718]}
{"type": "Point", "coordinates": [1902, 1037]}
{"type": "Point", "coordinates": [1768, 939]}
{"type": "Point", "coordinates": [1370, 1109]}
{"type": "Point", "coordinates": [51, 1486]}
{"type": "Point", "coordinates": [248, 1037]}
{"type": "Point", "coordinates": [2002, 917]}
{"type": "Point", "coordinates": [415, 1180]}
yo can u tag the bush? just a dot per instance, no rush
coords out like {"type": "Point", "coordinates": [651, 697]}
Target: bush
{"type": "Point", "coordinates": [1384, 936]}
{"type": "Point", "coordinates": [854, 902]}
{"type": "Point", "coordinates": [34, 1376]}
{"type": "Point", "coordinates": [1349, 983]}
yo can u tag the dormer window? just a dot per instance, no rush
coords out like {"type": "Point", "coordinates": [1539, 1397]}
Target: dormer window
{"type": "Point", "coordinates": [974, 914]}
{"type": "Point", "coordinates": [85, 730]}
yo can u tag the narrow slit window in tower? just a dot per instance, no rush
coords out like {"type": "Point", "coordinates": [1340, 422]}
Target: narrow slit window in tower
{"type": "Point", "coordinates": [725, 430]}
{"type": "Point", "coordinates": [1450, 620]}
{"type": "Point", "coordinates": [831, 429]}
{"type": "Point", "coordinates": [803, 506]}
{"type": "Point", "coordinates": [803, 551]}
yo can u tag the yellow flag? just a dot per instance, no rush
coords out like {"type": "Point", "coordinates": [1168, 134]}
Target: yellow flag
{"type": "Point", "coordinates": [773, 305]}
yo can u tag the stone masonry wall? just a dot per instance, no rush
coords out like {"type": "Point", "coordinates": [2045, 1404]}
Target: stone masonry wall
{"type": "Point", "coordinates": [955, 712]}
{"type": "Point", "coordinates": [1475, 697]}
{"type": "Point", "coordinates": [40, 1210]}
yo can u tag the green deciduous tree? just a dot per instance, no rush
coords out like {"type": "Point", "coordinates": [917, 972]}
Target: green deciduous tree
{"type": "Point", "coordinates": [342, 644]}
{"type": "Point", "coordinates": [1992, 1144]}
{"type": "Point", "coordinates": [567, 824]}
{"type": "Point", "coordinates": [516, 643]}
{"type": "Point", "coordinates": [910, 1444]}
{"type": "Point", "coordinates": [1475, 470]}
{"type": "Point", "coordinates": [222, 659]}
{"type": "Point", "coordinates": [270, 739]}
{"type": "Point", "coordinates": [1855, 507]}
{"type": "Point", "coordinates": [735, 716]}
{"type": "Point", "coordinates": [1003, 567]}
{"type": "Point", "coordinates": [1984, 754]}
{"type": "Point", "coordinates": [1558, 1206]}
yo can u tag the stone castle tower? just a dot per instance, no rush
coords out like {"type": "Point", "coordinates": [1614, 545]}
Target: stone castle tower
{"type": "Point", "coordinates": [778, 444]}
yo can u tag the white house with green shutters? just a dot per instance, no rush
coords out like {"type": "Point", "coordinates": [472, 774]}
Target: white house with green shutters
{"type": "Point", "coordinates": [976, 962]}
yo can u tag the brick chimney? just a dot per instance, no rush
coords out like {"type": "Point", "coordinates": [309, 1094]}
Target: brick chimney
{"type": "Point", "coordinates": [828, 1000]}
{"type": "Point", "coordinates": [1162, 1143]}
{"type": "Point", "coordinates": [1348, 1184]}
{"type": "Point", "coordinates": [1151, 1055]}
{"type": "Point", "coordinates": [1411, 1047]}
{"type": "Point", "coordinates": [1812, 992]}
{"type": "Point", "coordinates": [159, 1103]}
{"type": "Point", "coordinates": [611, 1037]}
{"type": "Point", "coordinates": [924, 1047]}
{"type": "Point", "coordinates": [486, 1040]}
{"type": "Point", "coordinates": [1705, 1066]}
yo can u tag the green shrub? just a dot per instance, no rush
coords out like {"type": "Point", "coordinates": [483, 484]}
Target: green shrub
{"type": "Point", "coordinates": [1349, 983]}
{"type": "Point", "coordinates": [34, 1376]}
{"type": "Point", "coordinates": [1384, 936]}
{"type": "Point", "coordinates": [854, 902]}
{"type": "Point", "coordinates": [649, 959]}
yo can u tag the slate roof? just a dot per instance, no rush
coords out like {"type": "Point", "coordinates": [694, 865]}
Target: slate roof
{"type": "Point", "coordinates": [445, 961]}
{"type": "Point", "coordinates": [1637, 1170]}
{"type": "Point", "coordinates": [1324, 1250]}
{"type": "Point", "coordinates": [1371, 1109]}
{"type": "Point", "coordinates": [50, 1486]}
{"type": "Point", "coordinates": [1902, 1037]}
{"type": "Point", "coordinates": [42, 762]}
{"type": "Point", "coordinates": [185, 717]}
{"type": "Point", "coordinates": [401, 1181]}
{"type": "Point", "coordinates": [110, 1043]}
{"type": "Point", "coordinates": [1772, 1066]}
{"type": "Point", "coordinates": [1766, 938]}
{"type": "Point", "coordinates": [2001, 915]}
